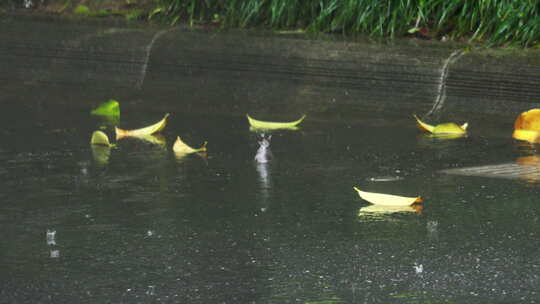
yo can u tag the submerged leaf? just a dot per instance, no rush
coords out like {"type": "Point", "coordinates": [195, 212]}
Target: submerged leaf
{"type": "Point", "coordinates": [442, 129]}
{"type": "Point", "coordinates": [109, 108]}
{"type": "Point", "coordinates": [271, 125]}
{"type": "Point", "coordinates": [527, 126]}
{"type": "Point", "coordinates": [120, 133]}
{"type": "Point", "coordinates": [180, 148]}
{"type": "Point", "coordinates": [99, 138]}
{"type": "Point", "coordinates": [387, 199]}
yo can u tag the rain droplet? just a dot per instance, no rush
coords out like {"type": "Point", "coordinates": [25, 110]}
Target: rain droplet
{"type": "Point", "coordinates": [151, 290]}
{"type": "Point", "coordinates": [55, 253]}
{"type": "Point", "coordinates": [51, 237]}
{"type": "Point", "coordinates": [418, 268]}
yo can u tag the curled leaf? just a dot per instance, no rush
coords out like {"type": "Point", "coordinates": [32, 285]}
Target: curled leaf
{"type": "Point", "coordinates": [99, 138]}
{"type": "Point", "coordinates": [101, 147]}
{"type": "Point", "coordinates": [387, 199]}
{"type": "Point", "coordinates": [158, 126]}
{"type": "Point", "coordinates": [527, 126]}
{"type": "Point", "coordinates": [181, 148]}
{"type": "Point", "coordinates": [271, 125]}
{"type": "Point", "coordinates": [448, 128]}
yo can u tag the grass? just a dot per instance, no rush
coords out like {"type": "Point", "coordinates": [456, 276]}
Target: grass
{"type": "Point", "coordinates": [493, 22]}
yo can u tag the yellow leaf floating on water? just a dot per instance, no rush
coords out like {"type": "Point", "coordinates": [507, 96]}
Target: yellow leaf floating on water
{"type": "Point", "coordinates": [387, 199]}
{"type": "Point", "coordinates": [271, 125]}
{"type": "Point", "coordinates": [527, 126]}
{"type": "Point", "coordinates": [181, 148]}
{"type": "Point", "coordinates": [101, 147]}
{"type": "Point", "coordinates": [448, 128]}
{"type": "Point", "coordinates": [100, 138]}
{"type": "Point", "coordinates": [158, 126]}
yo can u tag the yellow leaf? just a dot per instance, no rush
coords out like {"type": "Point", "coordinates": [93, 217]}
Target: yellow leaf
{"type": "Point", "coordinates": [271, 125]}
{"type": "Point", "coordinates": [100, 138]}
{"type": "Point", "coordinates": [120, 133]}
{"type": "Point", "coordinates": [387, 199]}
{"type": "Point", "coordinates": [527, 135]}
{"type": "Point", "coordinates": [527, 126]}
{"type": "Point", "coordinates": [442, 129]}
{"type": "Point", "coordinates": [181, 148]}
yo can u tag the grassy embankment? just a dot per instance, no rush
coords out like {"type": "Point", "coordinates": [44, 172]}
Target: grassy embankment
{"type": "Point", "coordinates": [490, 22]}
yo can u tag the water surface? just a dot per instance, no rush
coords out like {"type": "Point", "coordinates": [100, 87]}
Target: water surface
{"type": "Point", "coordinates": [137, 224]}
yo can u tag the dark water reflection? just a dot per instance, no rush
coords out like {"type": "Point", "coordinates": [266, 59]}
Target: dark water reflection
{"type": "Point", "coordinates": [137, 224]}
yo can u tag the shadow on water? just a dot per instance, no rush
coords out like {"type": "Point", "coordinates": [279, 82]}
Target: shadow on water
{"type": "Point", "coordinates": [135, 223]}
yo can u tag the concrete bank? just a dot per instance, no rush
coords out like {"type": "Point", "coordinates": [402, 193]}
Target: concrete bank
{"type": "Point", "coordinates": [243, 71]}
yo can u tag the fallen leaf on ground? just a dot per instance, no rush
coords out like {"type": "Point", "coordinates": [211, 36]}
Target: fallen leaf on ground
{"type": "Point", "coordinates": [158, 126]}
{"type": "Point", "coordinates": [527, 126]}
{"type": "Point", "coordinates": [448, 128]}
{"type": "Point", "coordinates": [387, 199]}
{"type": "Point", "coordinates": [181, 148]}
{"type": "Point", "coordinates": [271, 125]}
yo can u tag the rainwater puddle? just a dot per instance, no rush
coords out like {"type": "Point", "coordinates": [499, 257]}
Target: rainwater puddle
{"type": "Point", "coordinates": [251, 221]}
{"type": "Point", "coordinates": [140, 224]}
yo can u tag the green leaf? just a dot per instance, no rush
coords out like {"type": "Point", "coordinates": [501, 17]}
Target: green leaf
{"type": "Point", "coordinates": [109, 108]}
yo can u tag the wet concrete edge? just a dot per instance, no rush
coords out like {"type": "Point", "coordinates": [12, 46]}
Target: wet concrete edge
{"type": "Point", "coordinates": [254, 70]}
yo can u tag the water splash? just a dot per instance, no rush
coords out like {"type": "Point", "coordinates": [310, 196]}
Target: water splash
{"type": "Point", "coordinates": [441, 91]}
{"type": "Point", "coordinates": [263, 153]}
{"type": "Point", "coordinates": [54, 254]}
{"type": "Point", "coordinates": [432, 230]}
{"type": "Point", "coordinates": [51, 237]}
{"type": "Point", "coordinates": [418, 268]}
{"type": "Point", "coordinates": [151, 291]}
{"type": "Point", "coordinates": [148, 51]}
{"type": "Point", "coordinates": [262, 158]}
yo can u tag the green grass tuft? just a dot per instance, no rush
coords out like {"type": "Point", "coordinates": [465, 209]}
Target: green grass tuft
{"type": "Point", "coordinates": [493, 22]}
{"type": "Point", "coordinates": [82, 10]}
